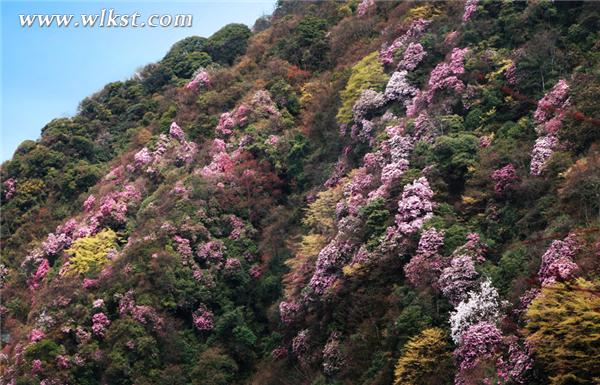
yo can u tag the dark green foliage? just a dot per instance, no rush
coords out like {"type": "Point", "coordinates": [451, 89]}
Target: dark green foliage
{"type": "Point", "coordinates": [307, 46]}
{"type": "Point", "coordinates": [225, 45]}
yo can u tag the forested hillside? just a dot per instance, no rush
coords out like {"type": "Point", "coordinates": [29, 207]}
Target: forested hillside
{"type": "Point", "coordinates": [350, 192]}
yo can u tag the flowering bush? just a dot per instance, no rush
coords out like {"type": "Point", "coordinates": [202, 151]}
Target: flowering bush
{"type": "Point", "coordinates": [142, 157]}
{"type": "Point", "coordinates": [479, 342]}
{"type": "Point", "coordinates": [542, 150]}
{"type": "Point", "coordinates": [226, 124]}
{"type": "Point", "coordinates": [398, 88]}
{"type": "Point", "coordinates": [557, 261]}
{"type": "Point", "coordinates": [552, 105]}
{"type": "Point", "coordinates": [470, 8]}
{"type": "Point", "coordinates": [444, 75]}
{"type": "Point", "coordinates": [367, 101]}
{"type": "Point", "coordinates": [88, 204]}
{"type": "Point", "coordinates": [99, 324]}
{"type": "Point", "coordinates": [39, 274]}
{"type": "Point", "coordinates": [364, 7]}
{"type": "Point", "coordinates": [203, 318]}
{"type": "Point", "coordinates": [10, 186]}
{"type": "Point", "coordinates": [505, 178]}
{"type": "Point", "coordinates": [176, 132]}
{"type": "Point", "coordinates": [413, 55]}
{"type": "Point", "coordinates": [201, 79]}
{"type": "Point", "coordinates": [332, 357]}
{"type": "Point", "coordinates": [300, 343]}
{"type": "Point", "coordinates": [36, 335]}
{"type": "Point", "coordinates": [415, 207]}
{"type": "Point", "coordinates": [288, 311]}
{"type": "Point", "coordinates": [481, 305]}
{"type": "Point", "coordinates": [458, 278]}
{"type": "Point", "coordinates": [425, 266]}
{"type": "Point", "coordinates": [414, 32]}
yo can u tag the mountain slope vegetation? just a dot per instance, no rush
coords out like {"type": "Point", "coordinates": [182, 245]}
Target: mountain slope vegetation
{"type": "Point", "coordinates": [350, 192]}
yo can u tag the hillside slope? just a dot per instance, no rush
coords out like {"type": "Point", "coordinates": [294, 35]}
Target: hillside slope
{"type": "Point", "coordinates": [350, 193]}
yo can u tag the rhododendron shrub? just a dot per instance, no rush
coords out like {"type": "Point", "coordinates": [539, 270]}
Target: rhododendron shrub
{"type": "Point", "coordinates": [201, 79]}
{"type": "Point", "coordinates": [176, 132]}
{"type": "Point", "coordinates": [458, 278]}
{"type": "Point", "coordinates": [515, 366]}
{"type": "Point", "coordinates": [364, 7]}
{"type": "Point", "coordinates": [557, 262]}
{"type": "Point", "coordinates": [415, 207]}
{"type": "Point", "coordinates": [481, 305]}
{"type": "Point", "coordinates": [470, 8]}
{"type": "Point", "coordinates": [445, 75]}
{"type": "Point", "coordinates": [288, 311]}
{"type": "Point", "coordinates": [413, 55]}
{"type": "Point", "coordinates": [425, 266]}
{"type": "Point", "coordinates": [34, 281]}
{"type": "Point", "coordinates": [88, 204]}
{"type": "Point", "coordinates": [480, 342]}
{"type": "Point", "coordinates": [542, 150]}
{"type": "Point", "coordinates": [332, 356]}
{"type": "Point", "coordinates": [367, 101]}
{"type": "Point", "coordinates": [10, 186]}
{"type": "Point", "coordinates": [300, 344]}
{"type": "Point", "coordinates": [203, 318]}
{"type": "Point", "coordinates": [551, 109]}
{"type": "Point", "coordinates": [36, 335]}
{"type": "Point", "coordinates": [505, 177]}
{"type": "Point", "coordinates": [414, 32]}
{"type": "Point", "coordinates": [99, 324]}
{"type": "Point", "coordinates": [398, 88]}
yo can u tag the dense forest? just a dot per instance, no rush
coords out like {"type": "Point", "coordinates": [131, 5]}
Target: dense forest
{"type": "Point", "coordinates": [350, 192]}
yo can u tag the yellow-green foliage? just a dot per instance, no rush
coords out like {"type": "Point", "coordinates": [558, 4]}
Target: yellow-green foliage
{"type": "Point", "coordinates": [366, 74]}
{"type": "Point", "coordinates": [564, 329]}
{"type": "Point", "coordinates": [90, 252]}
{"type": "Point", "coordinates": [320, 214]}
{"type": "Point", "coordinates": [425, 359]}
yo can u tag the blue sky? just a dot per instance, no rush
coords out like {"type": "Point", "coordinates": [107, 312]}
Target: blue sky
{"type": "Point", "coordinates": [46, 72]}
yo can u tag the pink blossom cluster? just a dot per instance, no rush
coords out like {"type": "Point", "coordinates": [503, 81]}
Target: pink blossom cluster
{"type": "Point", "coordinates": [300, 343]}
{"type": "Point", "coordinates": [445, 75]}
{"type": "Point", "coordinates": [329, 262]}
{"type": "Point", "coordinates": [36, 366]}
{"type": "Point", "coordinates": [116, 204]}
{"type": "Point", "coordinates": [263, 105]}
{"type": "Point", "coordinates": [201, 79]}
{"type": "Point", "coordinates": [505, 177]}
{"type": "Point", "coordinates": [255, 271]}
{"type": "Point", "coordinates": [34, 281]}
{"type": "Point", "coordinates": [98, 303]}
{"type": "Point", "coordinates": [367, 101]}
{"type": "Point", "coordinates": [186, 152]}
{"type": "Point", "coordinates": [511, 74]}
{"type": "Point", "coordinates": [237, 227]}
{"type": "Point", "coordinates": [183, 247]}
{"type": "Point", "coordinates": [36, 335]}
{"type": "Point", "coordinates": [398, 88]}
{"type": "Point", "coordinates": [62, 362]}
{"type": "Point", "coordinates": [55, 243]}
{"type": "Point", "coordinates": [413, 55]}
{"type": "Point", "coordinates": [203, 318]}
{"type": "Point", "coordinates": [551, 109]}
{"type": "Point", "coordinates": [481, 341]}
{"type": "Point", "coordinates": [142, 157]}
{"type": "Point", "coordinates": [470, 8]}
{"type": "Point", "coordinates": [288, 311]}
{"type": "Point", "coordinates": [364, 7]}
{"type": "Point", "coordinates": [10, 186]}
{"type": "Point", "coordinates": [332, 356]}
{"type": "Point", "coordinates": [232, 265]}
{"type": "Point", "coordinates": [458, 278]}
{"type": "Point", "coordinates": [414, 32]}
{"type": "Point", "coordinates": [180, 189]}
{"type": "Point", "coordinates": [557, 262]}
{"type": "Point", "coordinates": [272, 140]}
{"type": "Point", "coordinates": [279, 353]}
{"type": "Point", "coordinates": [542, 150]}
{"type": "Point", "coordinates": [415, 207]}
{"type": "Point", "coordinates": [515, 367]}
{"type": "Point", "coordinates": [211, 251]}
{"type": "Point", "coordinates": [425, 266]}
{"type": "Point", "coordinates": [176, 132]}
{"type": "Point", "coordinates": [423, 128]}
{"type": "Point", "coordinates": [88, 204]}
{"type": "Point", "coordinates": [146, 315]}
{"type": "Point", "coordinates": [99, 324]}
{"type": "Point", "coordinates": [474, 248]}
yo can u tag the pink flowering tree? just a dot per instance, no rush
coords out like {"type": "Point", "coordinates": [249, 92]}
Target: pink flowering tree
{"type": "Point", "coordinates": [480, 342]}
{"type": "Point", "coordinates": [542, 150]}
{"type": "Point", "coordinates": [551, 109]}
{"type": "Point", "coordinates": [176, 132]}
{"type": "Point", "coordinates": [364, 7]}
{"type": "Point", "coordinates": [414, 32]}
{"type": "Point", "coordinates": [201, 79]}
{"type": "Point", "coordinates": [99, 324]}
{"type": "Point", "coordinates": [398, 88]}
{"type": "Point", "coordinates": [470, 8]}
{"type": "Point", "coordinates": [333, 360]}
{"type": "Point", "coordinates": [415, 207]}
{"type": "Point", "coordinates": [203, 318]}
{"type": "Point", "coordinates": [445, 75]}
{"type": "Point", "coordinates": [557, 262]}
{"type": "Point", "coordinates": [458, 278]}
{"type": "Point", "coordinates": [505, 178]}
{"type": "Point", "coordinates": [10, 186]}
{"type": "Point", "coordinates": [368, 101]}
{"type": "Point", "coordinates": [413, 55]}
{"type": "Point", "coordinates": [425, 266]}
{"type": "Point", "coordinates": [288, 311]}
